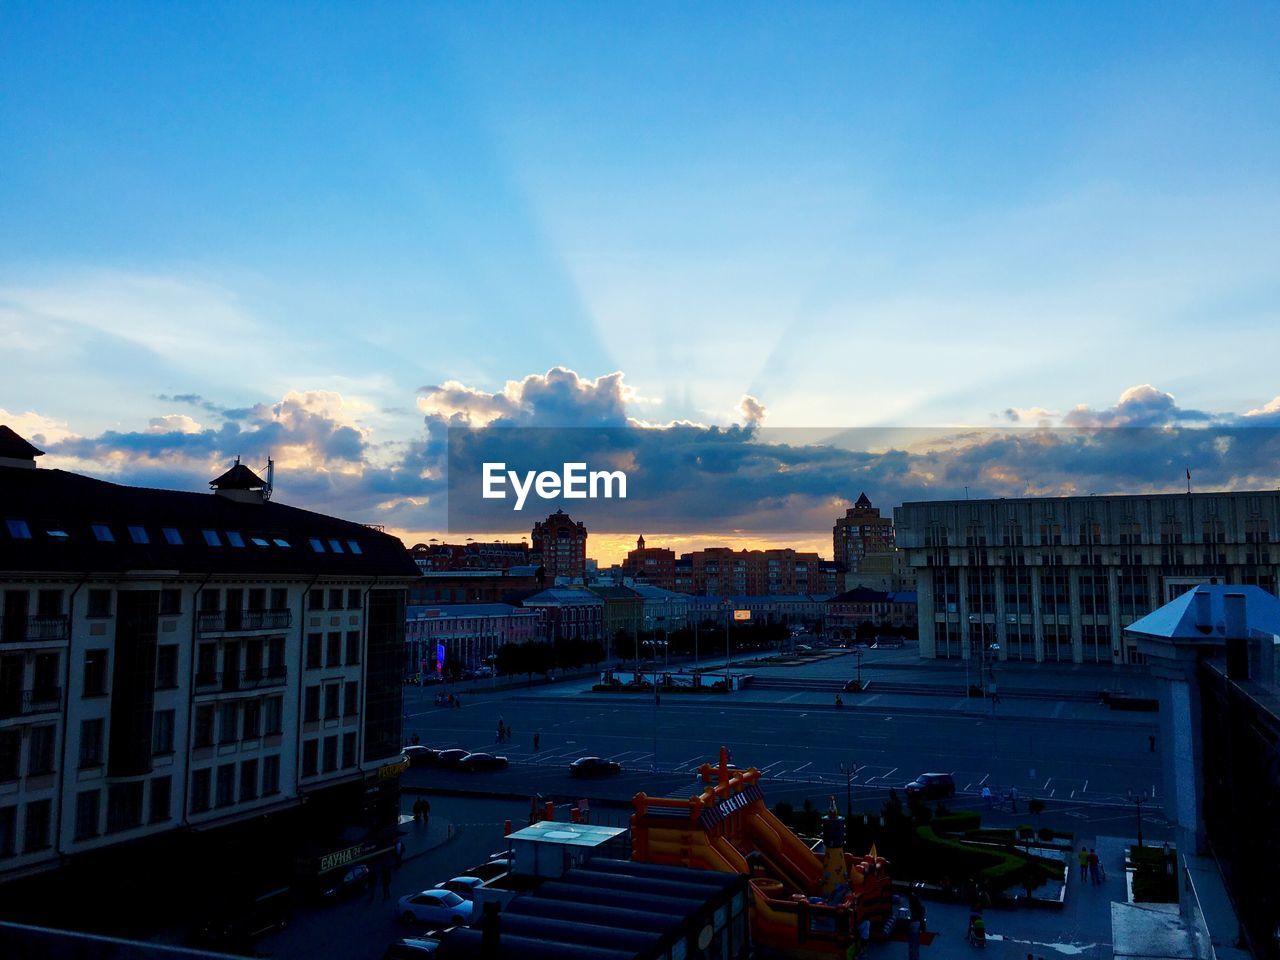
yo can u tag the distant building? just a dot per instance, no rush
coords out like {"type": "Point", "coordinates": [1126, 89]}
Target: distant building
{"type": "Point", "coordinates": [663, 610]}
{"type": "Point", "coordinates": [849, 610]}
{"type": "Point", "coordinates": [473, 555]}
{"type": "Point", "coordinates": [175, 663]}
{"type": "Point", "coordinates": [477, 586]}
{"type": "Point", "coordinates": [863, 541]}
{"type": "Point", "coordinates": [721, 571]}
{"type": "Point", "coordinates": [465, 634]}
{"type": "Point", "coordinates": [570, 613]}
{"type": "Point", "coordinates": [1059, 578]}
{"type": "Point", "coordinates": [561, 546]}
{"type": "Point", "coordinates": [623, 613]}
{"type": "Point", "coordinates": [655, 565]}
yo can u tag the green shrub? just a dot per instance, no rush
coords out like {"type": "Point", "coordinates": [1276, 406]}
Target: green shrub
{"type": "Point", "coordinates": [1025, 831]}
{"type": "Point", "coordinates": [937, 856]}
{"type": "Point", "coordinates": [957, 822]}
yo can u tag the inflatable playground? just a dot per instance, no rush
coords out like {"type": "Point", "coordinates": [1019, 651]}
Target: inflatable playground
{"type": "Point", "coordinates": [805, 905]}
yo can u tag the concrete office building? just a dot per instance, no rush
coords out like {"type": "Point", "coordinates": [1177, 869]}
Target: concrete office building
{"type": "Point", "coordinates": [172, 663]}
{"type": "Point", "coordinates": [1059, 578]}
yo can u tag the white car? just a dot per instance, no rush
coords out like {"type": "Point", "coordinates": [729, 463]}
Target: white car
{"type": "Point", "coordinates": [464, 887]}
{"type": "Point", "coordinates": [438, 908]}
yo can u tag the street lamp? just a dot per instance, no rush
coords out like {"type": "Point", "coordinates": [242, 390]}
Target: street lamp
{"type": "Point", "coordinates": [849, 770]}
{"type": "Point", "coordinates": [1138, 799]}
{"type": "Point", "coordinates": [857, 652]}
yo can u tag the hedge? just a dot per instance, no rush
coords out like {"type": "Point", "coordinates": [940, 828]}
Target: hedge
{"type": "Point", "coordinates": [957, 822]}
{"type": "Point", "coordinates": [999, 869]}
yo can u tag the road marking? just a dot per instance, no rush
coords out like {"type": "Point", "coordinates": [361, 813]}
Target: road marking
{"type": "Point", "coordinates": [802, 766]}
{"type": "Point", "coordinates": [1085, 787]}
{"type": "Point", "coordinates": [984, 780]}
{"type": "Point", "coordinates": [1046, 784]}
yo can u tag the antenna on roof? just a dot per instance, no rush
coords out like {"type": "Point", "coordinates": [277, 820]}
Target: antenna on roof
{"type": "Point", "coordinates": [271, 479]}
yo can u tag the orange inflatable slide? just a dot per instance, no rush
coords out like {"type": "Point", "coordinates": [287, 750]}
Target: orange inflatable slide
{"type": "Point", "coordinates": [804, 905]}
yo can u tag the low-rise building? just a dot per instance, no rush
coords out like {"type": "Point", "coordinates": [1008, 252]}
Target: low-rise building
{"type": "Point", "coordinates": [879, 608]}
{"type": "Point", "coordinates": [465, 635]}
{"type": "Point", "coordinates": [570, 613]}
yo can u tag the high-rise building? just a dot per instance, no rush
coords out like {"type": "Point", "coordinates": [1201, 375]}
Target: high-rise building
{"type": "Point", "coordinates": [1059, 578]}
{"type": "Point", "coordinates": [863, 542]}
{"type": "Point", "coordinates": [561, 546]}
{"type": "Point", "coordinates": [655, 565]}
{"type": "Point", "coordinates": [174, 663]}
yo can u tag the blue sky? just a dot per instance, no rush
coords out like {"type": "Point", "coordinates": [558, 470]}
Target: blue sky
{"type": "Point", "coordinates": [861, 214]}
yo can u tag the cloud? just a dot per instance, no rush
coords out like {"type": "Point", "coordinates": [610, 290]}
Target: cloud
{"type": "Point", "coordinates": [1140, 406]}
{"type": "Point", "coordinates": [752, 410]}
{"type": "Point", "coordinates": [557, 398]}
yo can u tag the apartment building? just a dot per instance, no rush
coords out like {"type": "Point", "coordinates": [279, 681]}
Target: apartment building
{"type": "Point", "coordinates": [722, 572]}
{"type": "Point", "coordinates": [560, 546]}
{"type": "Point", "coordinates": [175, 661]}
{"type": "Point", "coordinates": [1059, 578]}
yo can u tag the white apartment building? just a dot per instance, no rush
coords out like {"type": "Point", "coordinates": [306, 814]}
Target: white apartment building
{"type": "Point", "coordinates": [174, 660]}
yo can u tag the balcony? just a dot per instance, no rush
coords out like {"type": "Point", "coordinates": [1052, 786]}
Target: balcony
{"type": "Point", "coordinates": [23, 703]}
{"type": "Point", "coordinates": [239, 621]}
{"type": "Point", "coordinates": [33, 629]}
{"type": "Point", "coordinates": [230, 681]}
{"type": "Point", "coordinates": [273, 676]}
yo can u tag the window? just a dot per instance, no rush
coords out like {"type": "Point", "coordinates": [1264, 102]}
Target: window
{"type": "Point", "coordinates": [207, 663]}
{"type": "Point", "coordinates": [211, 538]}
{"type": "Point", "coordinates": [139, 535]}
{"type": "Point", "coordinates": [275, 657]}
{"type": "Point", "coordinates": [252, 719]}
{"type": "Point", "coordinates": [273, 715]}
{"type": "Point", "coordinates": [162, 732]}
{"type": "Point", "coordinates": [260, 541]}
{"type": "Point", "coordinates": [349, 758]}
{"type": "Point", "coordinates": [311, 704]}
{"type": "Point", "coordinates": [279, 598]}
{"type": "Point", "coordinates": [330, 753]}
{"type": "Point", "coordinates": [317, 545]}
{"type": "Point", "coordinates": [310, 751]}
{"type": "Point", "coordinates": [228, 722]}
{"type": "Point", "coordinates": [331, 693]}
{"type": "Point", "coordinates": [102, 533]}
{"type": "Point", "coordinates": [91, 743]}
{"type": "Point", "coordinates": [166, 666]}
{"type": "Point", "coordinates": [353, 599]}
{"type": "Point", "coordinates": [36, 832]}
{"type": "Point", "coordinates": [204, 725]}
{"type": "Point", "coordinates": [95, 673]}
{"type": "Point", "coordinates": [271, 775]}
{"type": "Point", "coordinates": [58, 535]}
{"type": "Point", "coordinates": [333, 650]}
{"type": "Point", "coordinates": [280, 542]}
{"type": "Point", "coordinates": [124, 806]}
{"type": "Point", "coordinates": [351, 699]}
{"type": "Point", "coordinates": [8, 830]}
{"type": "Point", "coordinates": [354, 547]}
{"type": "Point", "coordinates": [335, 599]}
{"type": "Point", "coordinates": [87, 803]}
{"type": "Point", "coordinates": [18, 529]}
{"type": "Point", "coordinates": [226, 785]}
{"type": "Point", "coordinates": [200, 783]}
{"type": "Point", "coordinates": [40, 759]}
{"type": "Point", "coordinates": [49, 603]}
{"type": "Point", "coordinates": [234, 538]}
{"type": "Point", "coordinates": [248, 780]}
{"type": "Point", "coordinates": [315, 600]}
{"type": "Point", "coordinates": [170, 602]}
{"type": "Point", "coordinates": [210, 601]}
{"type": "Point", "coordinates": [353, 647]}
{"type": "Point", "coordinates": [161, 799]}
{"type": "Point", "coordinates": [99, 603]}
{"type": "Point", "coordinates": [10, 752]}
{"type": "Point", "coordinates": [335, 546]}
{"type": "Point", "coordinates": [172, 536]}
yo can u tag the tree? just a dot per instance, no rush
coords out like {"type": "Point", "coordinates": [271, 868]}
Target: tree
{"type": "Point", "coordinates": [1036, 806]}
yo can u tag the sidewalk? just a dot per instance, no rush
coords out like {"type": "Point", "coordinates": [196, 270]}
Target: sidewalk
{"type": "Point", "coordinates": [419, 839]}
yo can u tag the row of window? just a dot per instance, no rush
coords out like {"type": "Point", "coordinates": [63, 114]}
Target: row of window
{"type": "Point", "coordinates": [41, 741]}
{"type": "Point", "coordinates": [215, 787]}
{"type": "Point", "coordinates": [325, 750]}
{"type": "Point", "coordinates": [326, 650]}
{"type": "Point", "coordinates": [238, 720]}
{"type": "Point", "coordinates": [20, 529]}
{"type": "Point", "coordinates": [124, 807]}
{"type": "Point", "coordinates": [335, 694]}
{"type": "Point", "coordinates": [338, 599]}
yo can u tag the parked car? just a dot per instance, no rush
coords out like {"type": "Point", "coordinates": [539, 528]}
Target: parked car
{"type": "Point", "coordinates": [932, 786]}
{"type": "Point", "coordinates": [432, 677]}
{"type": "Point", "coordinates": [475, 762]}
{"type": "Point", "coordinates": [419, 756]}
{"type": "Point", "coordinates": [803, 647]}
{"type": "Point", "coordinates": [484, 672]}
{"type": "Point", "coordinates": [352, 881]}
{"type": "Point", "coordinates": [411, 948]}
{"type": "Point", "coordinates": [594, 767]}
{"type": "Point", "coordinates": [240, 922]}
{"type": "Point", "coordinates": [465, 887]}
{"type": "Point", "coordinates": [439, 907]}
{"type": "Point", "coordinates": [451, 758]}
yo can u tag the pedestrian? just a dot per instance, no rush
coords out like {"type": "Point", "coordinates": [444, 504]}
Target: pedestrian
{"type": "Point", "coordinates": [1102, 871]}
{"type": "Point", "coordinates": [386, 881]}
{"type": "Point", "coordinates": [537, 738]}
{"type": "Point", "coordinates": [1084, 864]}
{"type": "Point", "coordinates": [399, 851]}
{"type": "Point", "coordinates": [416, 740]}
{"type": "Point", "coordinates": [1093, 868]}
{"type": "Point", "coordinates": [986, 797]}
{"type": "Point", "coordinates": [913, 940]}
{"type": "Point", "coordinates": [457, 703]}
{"type": "Point", "coordinates": [417, 811]}
{"type": "Point", "coordinates": [1013, 799]}
{"type": "Point", "coordinates": [426, 813]}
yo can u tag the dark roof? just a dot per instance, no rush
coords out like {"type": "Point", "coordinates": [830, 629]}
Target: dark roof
{"type": "Point", "coordinates": [239, 477]}
{"type": "Point", "coordinates": [34, 502]}
{"type": "Point", "coordinates": [862, 501]}
{"type": "Point", "coordinates": [861, 595]}
{"type": "Point", "coordinates": [13, 446]}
